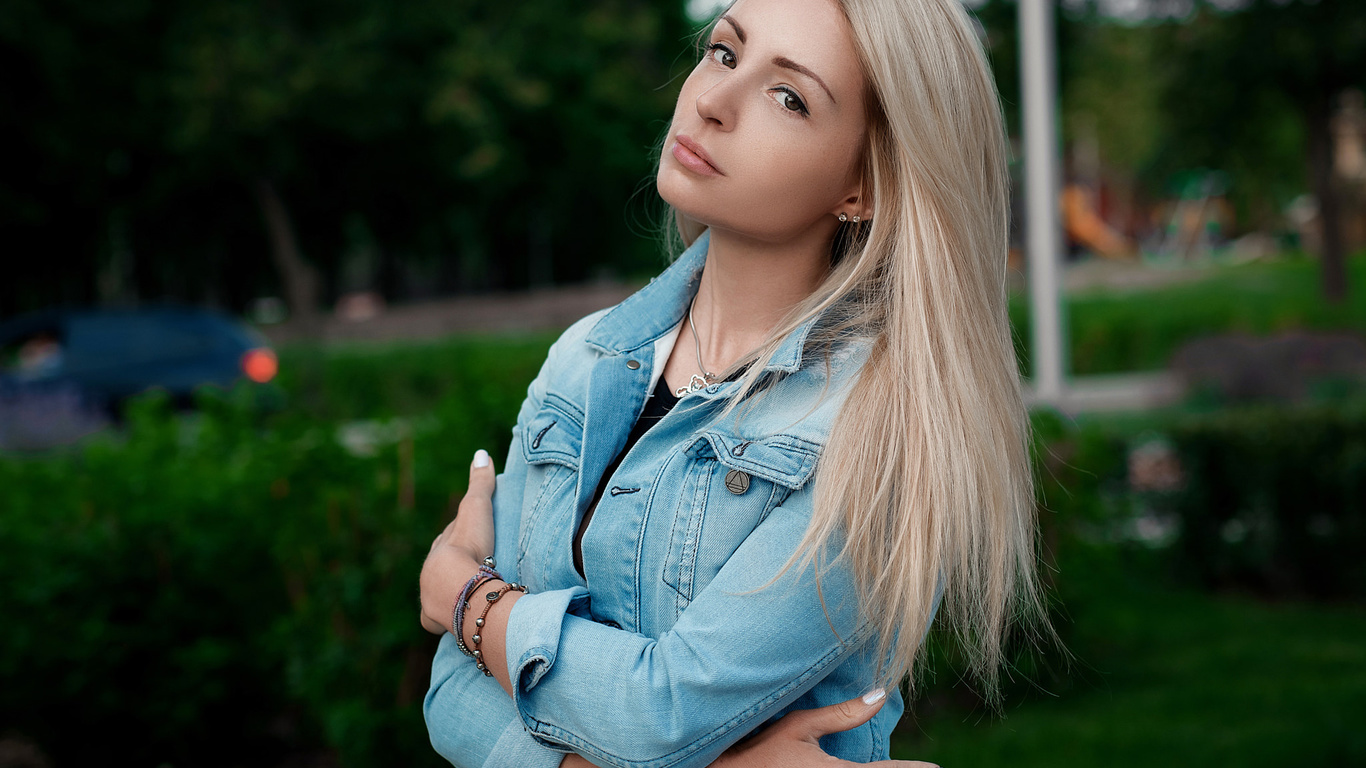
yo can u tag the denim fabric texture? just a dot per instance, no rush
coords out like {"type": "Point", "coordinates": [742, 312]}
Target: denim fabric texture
{"type": "Point", "coordinates": [668, 652]}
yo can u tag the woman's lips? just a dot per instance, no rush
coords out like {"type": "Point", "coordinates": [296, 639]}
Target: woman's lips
{"type": "Point", "coordinates": [691, 155]}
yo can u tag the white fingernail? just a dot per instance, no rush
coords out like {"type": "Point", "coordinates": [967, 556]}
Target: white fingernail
{"type": "Point", "coordinates": [874, 696]}
{"type": "Point", "coordinates": [481, 458]}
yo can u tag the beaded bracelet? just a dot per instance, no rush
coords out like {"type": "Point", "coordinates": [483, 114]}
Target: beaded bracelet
{"type": "Point", "coordinates": [492, 598]}
{"type": "Point", "coordinates": [485, 573]}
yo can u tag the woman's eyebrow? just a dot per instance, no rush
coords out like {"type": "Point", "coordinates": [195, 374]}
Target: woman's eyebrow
{"type": "Point", "coordinates": [787, 63]}
{"type": "Point", "coordinates": [739, 31]}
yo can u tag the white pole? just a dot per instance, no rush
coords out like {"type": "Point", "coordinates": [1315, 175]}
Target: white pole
{"type": "Point", "coordinates": [1042, 176]}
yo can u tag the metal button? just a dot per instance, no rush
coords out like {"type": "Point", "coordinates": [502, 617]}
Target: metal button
{"type": "Point", "coordinates": [737, 482]}
{"type": "Point", "coordinates": [633, 364]}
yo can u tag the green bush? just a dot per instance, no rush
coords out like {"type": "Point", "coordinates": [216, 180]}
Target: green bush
{"type": "Point", "coordinates": [227, 588]}
{"type": "Point", "coordinates": [1265, 498]}
{"type": "Point", "coordinates": [1274, 499]}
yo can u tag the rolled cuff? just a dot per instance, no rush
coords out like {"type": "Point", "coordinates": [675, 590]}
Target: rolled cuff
{"type": "Point", "coordinates": [533, 637]}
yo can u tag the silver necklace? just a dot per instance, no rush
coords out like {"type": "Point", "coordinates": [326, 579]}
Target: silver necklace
{"type": "Point", "coordinates": [698, 381]}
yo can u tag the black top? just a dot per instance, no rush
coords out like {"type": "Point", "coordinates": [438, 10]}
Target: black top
{"type": "Point", "coordinates": [659, 403]}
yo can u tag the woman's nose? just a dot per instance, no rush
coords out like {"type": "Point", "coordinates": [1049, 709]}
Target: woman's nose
{"type": "Point", "coordinates": [716, 104]}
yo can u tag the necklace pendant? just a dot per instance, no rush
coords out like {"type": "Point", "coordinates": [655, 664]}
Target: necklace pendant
{"type": "Point", "coordinates": [696, 384]}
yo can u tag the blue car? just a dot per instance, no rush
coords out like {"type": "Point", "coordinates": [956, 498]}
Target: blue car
{"type": "Point", "coordinates": [91, 360]}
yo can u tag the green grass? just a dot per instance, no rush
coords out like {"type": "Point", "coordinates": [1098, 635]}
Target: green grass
{"type": "Point", "coordinates": [1113, 331]}
{"type": "Point", "coordinates": [1167, 676]}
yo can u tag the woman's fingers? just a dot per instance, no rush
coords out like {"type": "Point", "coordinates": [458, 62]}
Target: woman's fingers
{"type": "Point", "coordinates": [481, 474]}
{"type": "Point", "coordinates": [811, 724]}
{"type": "Point", "coordinates": [473, 524]}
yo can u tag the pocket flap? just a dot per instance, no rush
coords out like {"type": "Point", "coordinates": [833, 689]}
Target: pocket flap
{"type": "Point", "coordinates": [782, 459]}
{"type": "Point", "coordinates": [554, 435]}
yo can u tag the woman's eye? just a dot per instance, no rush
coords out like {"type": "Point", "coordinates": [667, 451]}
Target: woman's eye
{"type": "Point", "coordinates": [791, 101]}
{"type": "Point", "coordinates": [722, 55]}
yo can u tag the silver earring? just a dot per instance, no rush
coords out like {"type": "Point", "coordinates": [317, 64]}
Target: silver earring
{"type": "Point", "coordinates": [856, 219]}
{"type": "Point", "coordinates": [843, 218]}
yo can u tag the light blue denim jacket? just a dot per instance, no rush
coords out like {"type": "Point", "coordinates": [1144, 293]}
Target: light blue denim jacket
{"type": "Point", "coordinates": [666, 654]}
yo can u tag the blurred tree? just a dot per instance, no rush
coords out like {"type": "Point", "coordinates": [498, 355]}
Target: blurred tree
{"type": "Point", "coordinates": [1246, 80]}
{"type": "Point", "coordinates": [173, 145]}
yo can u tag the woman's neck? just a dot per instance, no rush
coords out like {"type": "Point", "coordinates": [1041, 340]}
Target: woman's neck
{"type": "Point", "coordinates": [747, 287]}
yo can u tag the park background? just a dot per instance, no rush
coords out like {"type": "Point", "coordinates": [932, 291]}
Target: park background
{"type": "Point", "coordinates": [409, 198]}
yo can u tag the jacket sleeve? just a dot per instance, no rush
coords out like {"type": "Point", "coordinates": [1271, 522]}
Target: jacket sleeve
{"type": "Point", "coordinates": [471, 721]}
{"type": "Point", "coordinates": [736, 656]}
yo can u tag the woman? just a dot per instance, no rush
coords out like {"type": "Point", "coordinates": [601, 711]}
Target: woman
{"type": "Point", "coordinates": [744, 490]}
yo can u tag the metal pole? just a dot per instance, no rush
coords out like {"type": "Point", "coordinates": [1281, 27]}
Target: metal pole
{"type": "Point", "coordinates": [1042, 176]}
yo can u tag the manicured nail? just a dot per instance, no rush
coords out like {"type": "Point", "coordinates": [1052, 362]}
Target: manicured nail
{"type": "Point", "coordinates": [481, 458]}
{"type": "Point", "coordinates": [874, 696]}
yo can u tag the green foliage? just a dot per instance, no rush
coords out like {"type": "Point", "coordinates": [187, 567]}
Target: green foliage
{"type": "Point", "coordinates": [410, 379]}
{"type": "Point", "coordinates": [240, 581]}
{"type": "Point", "coordinates": [1275, 499]}
{"type": "Point", "coordinates": [446, 146]}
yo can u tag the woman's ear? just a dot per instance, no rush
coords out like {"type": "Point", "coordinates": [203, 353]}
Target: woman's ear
{"type": "Point", "coordinates": [855, 205]}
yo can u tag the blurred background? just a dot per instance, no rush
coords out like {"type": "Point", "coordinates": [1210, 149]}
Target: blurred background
{"type": "Point", "coordinates": [273, 270]}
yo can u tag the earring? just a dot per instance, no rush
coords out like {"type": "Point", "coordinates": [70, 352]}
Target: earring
{"type": "Point", "coordinates": [856, 219]}
{"type": "Point", "coordinates": [843, 218]}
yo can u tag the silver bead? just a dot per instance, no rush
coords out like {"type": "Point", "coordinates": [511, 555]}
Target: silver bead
{"type": "Point", "coordinates": [477, 639]}
{"type": "Point", "coordinates": [481, 666]}
{"type": "Point", "coordinates": [844, 217]}
{"type": "Point", "coordinates": [490, 562]}
{"type": "Point", "coordinates": [478, 622]}
{"type": "Point", "coordinates": [856, 219]}
{"type": "Point", "coordinates": [478, 654]}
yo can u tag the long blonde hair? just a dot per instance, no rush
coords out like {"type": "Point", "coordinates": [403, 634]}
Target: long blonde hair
{"type": "Point", "coordinates": [926, 474]}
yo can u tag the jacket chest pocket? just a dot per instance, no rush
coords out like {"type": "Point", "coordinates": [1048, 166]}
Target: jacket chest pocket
{"type": "Point", "coordinates": [552, 446]}
{"type": "Point", "coordinates": [731, 485]}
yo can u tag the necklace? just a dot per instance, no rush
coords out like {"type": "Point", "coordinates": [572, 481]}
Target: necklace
{"type": "Point", "coordinates": [698, 381]}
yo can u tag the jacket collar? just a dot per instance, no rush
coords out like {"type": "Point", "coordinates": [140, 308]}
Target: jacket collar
{"type": "Point", "coordinates": [657, 308]}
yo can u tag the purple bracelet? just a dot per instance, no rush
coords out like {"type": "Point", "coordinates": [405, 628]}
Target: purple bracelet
{"type": "Point", "coordinates": [485, 573]}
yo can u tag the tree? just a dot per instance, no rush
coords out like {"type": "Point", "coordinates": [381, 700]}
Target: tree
{"type": "Point", "coordinates": [1242, 79]}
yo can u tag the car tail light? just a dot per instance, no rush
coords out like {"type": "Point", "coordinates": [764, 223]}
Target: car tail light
{"type": "Point", "coordinates": [260, 365]}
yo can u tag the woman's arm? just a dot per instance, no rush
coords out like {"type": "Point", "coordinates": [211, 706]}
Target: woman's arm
{"type": "Point", "coordinates": [470, 720]}
{"type": "Point", "coordinates": [734, 658]}
{"type": "Point", "coordinates": [793, 741]}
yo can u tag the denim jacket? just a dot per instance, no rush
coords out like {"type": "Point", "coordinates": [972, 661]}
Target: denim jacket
{"type": "Point", "coordinates": [668, 652]}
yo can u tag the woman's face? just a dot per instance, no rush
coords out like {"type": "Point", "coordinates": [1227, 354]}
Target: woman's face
{"type": "Point", "coordinates": [769, 127]}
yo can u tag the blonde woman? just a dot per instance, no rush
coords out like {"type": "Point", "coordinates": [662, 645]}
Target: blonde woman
{"type": "Point", "coordinates": [746, 490]}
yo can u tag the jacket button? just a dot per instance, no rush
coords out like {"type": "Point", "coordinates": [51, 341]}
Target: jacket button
{"type": "Point", "coordinates": [737, 482]}
{"type": "Point", "coordinates": [633, 364]}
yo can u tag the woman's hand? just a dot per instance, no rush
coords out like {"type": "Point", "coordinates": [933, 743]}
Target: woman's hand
{"type": "Point", "coordinates": [455, 554]}
{"type": "Point", "coordinates": [794, 740]}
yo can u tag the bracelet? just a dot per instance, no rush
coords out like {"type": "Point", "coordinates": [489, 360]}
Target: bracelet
{"type": "Point", "coordinates": [462, 604]}
{"type": "Point", "coordinates": [492, 598]}
{"type": "Point", "coordinates": [485, 573]}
